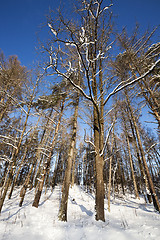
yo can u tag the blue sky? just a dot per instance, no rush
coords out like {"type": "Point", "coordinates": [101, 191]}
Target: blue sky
{"type": "Point", "coordinates": [20, 20]}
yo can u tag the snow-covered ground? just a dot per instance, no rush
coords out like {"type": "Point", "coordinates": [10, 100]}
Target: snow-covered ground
{"type": "Point", "coordinates": [129, 219]}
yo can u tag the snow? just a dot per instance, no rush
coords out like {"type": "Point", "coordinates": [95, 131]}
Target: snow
{"type": "Point", "coordinates": [129, 218]}
{"type": "Point", "coordinates": [53, 31]}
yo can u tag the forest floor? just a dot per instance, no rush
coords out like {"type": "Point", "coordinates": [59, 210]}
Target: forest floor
{"type": "Point", "coordinates": [129, 218]}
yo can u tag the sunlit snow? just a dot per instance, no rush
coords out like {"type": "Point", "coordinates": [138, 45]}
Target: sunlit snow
{"type": "Point", "coordinates": [129, 218]}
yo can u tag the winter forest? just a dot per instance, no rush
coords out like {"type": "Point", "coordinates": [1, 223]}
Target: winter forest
{"type": "Point", "coordinates": [75, 126]}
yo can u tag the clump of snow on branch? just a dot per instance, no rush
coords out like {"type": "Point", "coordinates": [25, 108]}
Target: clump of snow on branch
{"type": "Point", "coordinates": [52, 30]}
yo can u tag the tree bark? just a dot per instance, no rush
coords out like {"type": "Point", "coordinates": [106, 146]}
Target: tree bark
{"type": "Point", "coordinates": [14, 158]}
{"type": "Point", "coordinates": [132, 169]}
{"type": "Point", "coordinates": [151, 185]}
{"type": "Point", "coordinates": [110, 172]}
{"type": "Point", "coordinates": [47, 164]}
{"type": "Point", "coordinates": [143, 175]}
{"type": "Point", "coordinates": [62, 215]}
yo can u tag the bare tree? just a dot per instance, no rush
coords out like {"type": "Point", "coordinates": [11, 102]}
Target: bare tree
{"type": "Point", "coordinates": [16, 149]}
{"type": "Point", "coordinates": [86, 43]}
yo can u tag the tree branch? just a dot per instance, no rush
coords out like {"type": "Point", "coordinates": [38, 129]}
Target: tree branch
{"type": "Point", "coordinates": [132, 82]}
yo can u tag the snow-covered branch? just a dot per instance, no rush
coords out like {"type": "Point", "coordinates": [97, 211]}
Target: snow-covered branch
{"type": "Point", "coordinates": [152, 146]}
{"type": "Point", "coordinates": [108, 112]}
{"type": "Point", "coordinates": [9, 144]}
{"type": "Point", "coordinates": [5, 158]}
{"type": "Point", "coordinates": [41, 148]}
{"type": "Point", "coordinates": [116, 90]}
{"type": "Point", "coordinates": [8, 137]}
{"type": "Point", "coordinates": [40, 113]}
{"type": "Point", "coordinates": [91, 143]}
{"type": "Point", "coordinates": [52, 30]}
{"type": "Point", "coordinates": [14, 100]}
{"type": "Point", "coordinates": [105, 8]}
{"type": "Point", "coordinates": [88, 141]}
{"type": "Point", "coordinates": [72, 82]}
{"type": "Point", "coordinates": [45, 154]}
{"type": "Point", "coordinates": [109, 131]}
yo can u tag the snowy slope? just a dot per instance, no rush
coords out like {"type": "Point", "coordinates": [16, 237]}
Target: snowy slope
{"type": "Point", "coordinates": [128, 219]}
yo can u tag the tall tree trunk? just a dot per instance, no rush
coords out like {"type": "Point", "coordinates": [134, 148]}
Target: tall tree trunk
{"type": "Point", "coordinates": [143, 175]}
{"type": "Point", "coordinates": [132, 169]}
{"type": "Point", "coordinates": [99, 163]}
{"type": "Point", "coordinates": [14, 158]}
{"type": "Point", "coordinates": [17, 174]}
{"type": "Point", "coordinates": [47, 164]}
{"type": "Point", "coordinates": [73, 170]}
{"type": "Point", "coordinates": [62, 215]}
{"type": "Point", "coordinates": [151, 185]}
{"type": "Point", "coordinates": [25, 186]}
{"type": "Point", "coordinates": [110, 171]}
{"type": "Point", "coordinates": [4, 174]}
{"type": "Point", "coordinates": [24, 156]}
{"type": "Point", "coordinates": [43, 142]}
{"type": "Point", "coordinates": [123, 181]}
{"type": "Point", "coordinates": [130, 157]}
